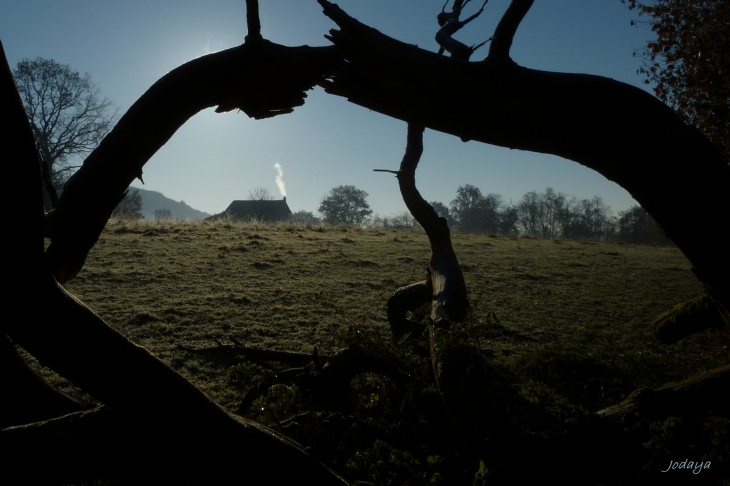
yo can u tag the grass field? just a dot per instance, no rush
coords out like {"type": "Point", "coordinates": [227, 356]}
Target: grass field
{"type": "Point", "coordinates": [567, 325]}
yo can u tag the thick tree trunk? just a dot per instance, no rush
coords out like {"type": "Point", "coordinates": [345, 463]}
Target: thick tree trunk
{"type": "Point", "coordinates": [620, 131]}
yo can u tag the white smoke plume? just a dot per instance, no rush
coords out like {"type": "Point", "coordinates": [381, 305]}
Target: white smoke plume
{"type": "Point", "coordinates": [279, 182]}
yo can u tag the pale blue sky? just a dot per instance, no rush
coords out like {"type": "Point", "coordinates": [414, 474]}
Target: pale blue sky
{"type": "Point", "coordinates": [216, 158]}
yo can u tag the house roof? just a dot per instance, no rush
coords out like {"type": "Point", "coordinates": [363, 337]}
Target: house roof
{"type": "Point", "coordinates": [260, 209]}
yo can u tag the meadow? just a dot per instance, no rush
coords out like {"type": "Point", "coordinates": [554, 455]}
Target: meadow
{"type": "Point", "coordinates": [562, 328]}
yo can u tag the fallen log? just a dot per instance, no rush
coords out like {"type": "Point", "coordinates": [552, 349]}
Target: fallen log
{"type": "Point", "coordinates": [706, 392]}
{"type": "Point", "coordinates": [26, 396]}
{"type": "Point", "coordinates": [688, 318]}
{"type": "Point", "coordinates": [170, 418]}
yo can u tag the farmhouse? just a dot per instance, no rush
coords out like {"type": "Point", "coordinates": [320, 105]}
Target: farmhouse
{"type": "Point", "coordinates": [274, 210]}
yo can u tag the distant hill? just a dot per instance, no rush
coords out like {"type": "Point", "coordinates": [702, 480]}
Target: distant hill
{"type": "Point", "coordinates": [153, 200]}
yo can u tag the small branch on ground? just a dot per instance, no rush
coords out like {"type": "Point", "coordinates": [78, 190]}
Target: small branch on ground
{"type": "Point", "coordinates": [505, 32]}
{"type": "Point", "coordinates": [258, 354]}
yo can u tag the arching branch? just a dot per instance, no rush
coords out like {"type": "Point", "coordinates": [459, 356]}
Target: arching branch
{"type": "Point", "coordinates": [261, 79]}
{"type": "Point", "coordinates": [671, 169]}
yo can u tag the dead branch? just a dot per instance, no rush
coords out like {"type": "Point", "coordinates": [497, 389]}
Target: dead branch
{"type": "Point", "coordinates": [688, 318]}
{"type": "Point", "coordinates": [444, 286]}
{"type": "Point", "coordinates": [450, 302]}
{"type": "Point", "coordinates": [404, 300]}
{"type": "Point", "coordinates": [505, 32]}
{"type": "Point", "coordinates": [698, 394]}
{"type": "Point", "coordinates": [259, 354]}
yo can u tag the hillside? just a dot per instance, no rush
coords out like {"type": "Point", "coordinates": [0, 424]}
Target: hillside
{"type": "Point", "coordinates": [153, 200]}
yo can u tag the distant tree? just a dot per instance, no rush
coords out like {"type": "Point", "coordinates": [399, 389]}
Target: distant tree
{"type": "Point", "coordinates": [443, 211]}
{"type": "Point", "coordinates": [592, 220]}
{"type": "Point", "coordinates": [67, 113]}
{"type": "Point", "coordinates": [689, 61]}
{"type": "Point", "coordinates": [553, 214]}
{"type": "Point", "coordinates": [528, 214]}
{"type": "Point", "coordinates": [636, 226]}
{"type": "Point", "coordinates": [551, 209]}
{"type": "Point", "coordinates": [475, 213]}
{"type": "Point", "coordinates": [130, 207]}
{"type": "Point", "coordinates": [303, 216]}
{"type": "Point", "coordinates": [345, 205]}
{"type": "Point", "coordinates": [508, 218]}
{"type": "Point", "coordinates": [260, 194]}
{"type": "Point", "coordinates": [162, 214]}
{"type": "Point", "coordinates": [402, 220]}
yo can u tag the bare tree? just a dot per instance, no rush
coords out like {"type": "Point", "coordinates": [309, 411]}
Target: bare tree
{"type": "Point", "coordinates": [260, 194]}
{"type": "Point", "coordinates": [130, 207]}
{"type": "Point", "coordinates": [67, 113]}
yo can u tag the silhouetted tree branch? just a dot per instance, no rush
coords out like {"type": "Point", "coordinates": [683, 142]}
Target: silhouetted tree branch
{"type": "Point", "coordinates": [261, 79]}
{"type": "Point", "coordinates": [671, 169]}
{"type": "Point", "coordinates": [505, 31]}
{"type": "Point", "coordinates": [149, 398]}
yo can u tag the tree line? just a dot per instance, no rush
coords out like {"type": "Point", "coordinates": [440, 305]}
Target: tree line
{"type": "Point", "coordinates": [549, 214]}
